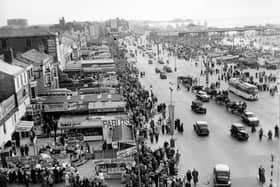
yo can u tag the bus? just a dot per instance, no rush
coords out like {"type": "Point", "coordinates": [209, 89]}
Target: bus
{"type": "Point", "coordinates": [243, 89]}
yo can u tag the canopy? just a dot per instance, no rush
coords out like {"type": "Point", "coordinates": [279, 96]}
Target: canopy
{"type": "Point", "coordinates": [24, 126]}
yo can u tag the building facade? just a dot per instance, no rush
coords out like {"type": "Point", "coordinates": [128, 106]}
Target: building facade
{"type": "Point", "coordinates": [14, 98]}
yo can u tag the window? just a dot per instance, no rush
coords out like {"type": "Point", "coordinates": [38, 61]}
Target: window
{"type": "Point", "coordinates": [28, 43]}
{"type": "Point", "coordinates": [4, 44]}
{"type": "Point", "coordinates": [18, 83]}
{"type": "Point", "coordinates": [21, 79]}
{"type": "Point", "coordinates": [25, 78]}
{"type": "Point", "coordinates": [33, 94]}
{"type": "Point", "coordinates": [4, 128]}
{"type": "Point", "coordinates": [36, 74]}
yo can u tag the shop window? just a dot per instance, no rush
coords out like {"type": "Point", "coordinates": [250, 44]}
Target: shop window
{"type": "Point", "coordinates": [28, 43]}
{"type": "Point", "coordinates": [4, 44]}
{"type": "Point", "coordinates": [33, 94]}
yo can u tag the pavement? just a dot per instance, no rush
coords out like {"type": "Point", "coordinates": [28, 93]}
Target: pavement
{"type": "Point", "coordinates": [203, 153]}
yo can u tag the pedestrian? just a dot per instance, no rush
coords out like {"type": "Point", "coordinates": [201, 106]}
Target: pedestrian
{"type": "Point", "coordinates": [26, 150]}
{"type": "Point", "coordinates": [276, 131]}
{"type": "Point", "coordinates": [22, 150]}
{"type": "Point", "coordinates": [260, 134]}
{"type": "Point", "coordinates": [195, 176]}
{"type": "Point", "coordinates": [156, 132]}
{"type": "Point", "coordinates": [177, 157]}
{"type": "Point", "coordinates": [253, 130]}
{"type": "Point", "coordinates": [189, 176]}
{"type": "Point", "coordinates": [151, 134]}
{"type": "Point", "coordinates": [50, 180]}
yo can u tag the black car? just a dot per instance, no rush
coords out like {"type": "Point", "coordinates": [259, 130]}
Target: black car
{"type": "Point", "coordinates": [167, 69]}
{"type": "Point", "coordinates": [238, 131]}
{"type": "Point", "coordinates": [150, 61]}
{"type": "Point", "coordinates": [201, 128]}
{"type": "Point", "coordinates": [197, 107]}
{"type": "Point", "coordinates": [157, 70]}
{"type": "Point", "coordinates": [160, 62]}
{"type": "Point", "coordinates": [162, 76]}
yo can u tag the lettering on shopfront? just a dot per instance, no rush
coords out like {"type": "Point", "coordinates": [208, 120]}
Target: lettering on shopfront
{"type": "Point", "coordinates": [116, 122]}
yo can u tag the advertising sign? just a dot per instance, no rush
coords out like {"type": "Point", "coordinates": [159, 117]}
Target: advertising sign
{"type": "Point", "coordinates": [127, 152]}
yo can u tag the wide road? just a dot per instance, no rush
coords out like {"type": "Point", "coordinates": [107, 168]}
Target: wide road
{"type": "Point", "coordinates": [203, 153]}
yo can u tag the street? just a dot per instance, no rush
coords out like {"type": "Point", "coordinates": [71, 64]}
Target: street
{"type": "Point", "coordinates": [203, 153]}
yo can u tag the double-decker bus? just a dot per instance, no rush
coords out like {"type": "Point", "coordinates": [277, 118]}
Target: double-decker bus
{"type": "Point", "coordinates": [243, 89]}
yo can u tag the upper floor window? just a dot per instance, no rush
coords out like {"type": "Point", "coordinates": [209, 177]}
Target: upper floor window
{"type": "Point", "coordinates": [28, 43]}
{"type": "Point", "coordinates": [4, 44]}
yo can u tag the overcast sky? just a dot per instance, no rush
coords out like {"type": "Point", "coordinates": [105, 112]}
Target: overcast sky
{"type": "Point", "coordinates": [49, 11]}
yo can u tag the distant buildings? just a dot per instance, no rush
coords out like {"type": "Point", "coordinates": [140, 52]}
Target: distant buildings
{"type": "Point", "coordinates": [18, 22]}
{"type": "Point", "coordinates": [24, 39]}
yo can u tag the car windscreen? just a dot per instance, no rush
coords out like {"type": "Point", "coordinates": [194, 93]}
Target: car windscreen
{"type": "Point", "coordinates": [222, 175]}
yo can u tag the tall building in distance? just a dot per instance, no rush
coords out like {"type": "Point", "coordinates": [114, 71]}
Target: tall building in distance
{"type": "Point", "coordinates": [19, 22]}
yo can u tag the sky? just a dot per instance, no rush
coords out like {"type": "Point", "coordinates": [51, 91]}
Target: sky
{"type": "Point", "coordinates": [49, 11]}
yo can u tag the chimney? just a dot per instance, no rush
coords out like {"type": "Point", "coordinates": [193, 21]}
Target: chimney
{"type": "Point", "coordinates": [9, 56]}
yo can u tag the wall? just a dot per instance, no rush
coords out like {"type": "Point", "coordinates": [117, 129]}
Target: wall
{"type": "Point", "coordinates": [10, 124]}
{"type": "Point", "coordinates": [6, 86]}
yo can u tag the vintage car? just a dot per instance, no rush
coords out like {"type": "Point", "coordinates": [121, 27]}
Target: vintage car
{"type": "Point", "coordinates": [157, 70]}
{"type": "Point", "coordinates": [162, 75]}
{"type": "Point", "coordinates": [150, 61]}
{"type": "Point", "coordinates": [160, 62]}
{"type": "Point", "coordinates": [222, 99]}
{"type": "Point", "coordinates": [201, 128]}
{"type": "Point", "coordinates": [198, 108]}
{"type": "Point", "coordinates": [236, 106]}
{"type": "Point", "coordinates": [239, 132]}
{"type": "Point", "coordinates": [197, 88]}
{"type": "Point", "coordinates": [202, 96]}
{"type": "Point", "coordinates": [221, 175]}
{"type": "Point", "coordinates": [250, 118]}
{"type": "Point", "coordinates": [167, 69]}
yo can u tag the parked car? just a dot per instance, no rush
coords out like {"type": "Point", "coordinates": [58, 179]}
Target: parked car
{"type": "Point", "coordinates": [157, 70]}
{"type": "Point", "coordinates": [201, 128]}
{"type": "Point", "coordinates": [162, 75]}
{"type": "Point", "coordinates": [221, 175]}
{"type": "Point", "coordinates": [167, 69]}
{"type": "Point", "coordinates": [197, 107]}
{"type": "Point", "coordinates": [238, 131]}
{"type": "Point", "coordinates": [150, 61]}
{"type": "Point", "coordinates": [250, 118]}
{"type": "Point", "coordinates": [160, 62]}
{"type": "Point", "coordinates": [202, 96]}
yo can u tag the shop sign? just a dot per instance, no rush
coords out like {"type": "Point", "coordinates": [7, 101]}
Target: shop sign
{"type": "Point", "coordinates": [115, 122]}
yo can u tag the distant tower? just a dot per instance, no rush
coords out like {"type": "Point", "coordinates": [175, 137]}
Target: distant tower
{"type": "Point", "coordinates": [62, 21]}
{"type": "Point", "coordinates": [205, 23]}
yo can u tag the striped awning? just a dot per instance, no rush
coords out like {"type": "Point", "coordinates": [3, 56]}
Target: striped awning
{"type": "Point", "coordinates": [24, 126]}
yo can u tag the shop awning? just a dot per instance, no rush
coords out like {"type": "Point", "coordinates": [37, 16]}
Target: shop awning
{"type": "Point", "coordinates": [122, 133]}
{"type": "Point", "coordinates": [24, 126]}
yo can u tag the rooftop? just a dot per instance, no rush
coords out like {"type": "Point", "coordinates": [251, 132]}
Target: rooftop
{"type": "Point", "coordinates": [98, 61]}
{"type": "Point", "coordinates": [9, 68]}
{"type": "Point", "coordinates": [35, 56]}
{"type": "Point", "coordinates": [24, 32]}
{"type": "Point", "coordinates": [85, 98]}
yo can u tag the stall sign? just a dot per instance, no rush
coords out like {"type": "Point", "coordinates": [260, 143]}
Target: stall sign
{"type": "Point", "coordinates": [126, 152]}
{"type": "Point", "coordinates": [108, 123]}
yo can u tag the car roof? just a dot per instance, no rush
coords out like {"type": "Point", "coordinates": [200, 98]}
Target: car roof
{"type": "Point", "coordinates": [238, 125]}
{"type": "Point", "coordinates": [201, 92]}
{"type": "Point", "coordinates": [201, 123]}
{"type": "Point", "coordinates": [248, 112]}
{"type": "Point", "coordinates": [222, 167]}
